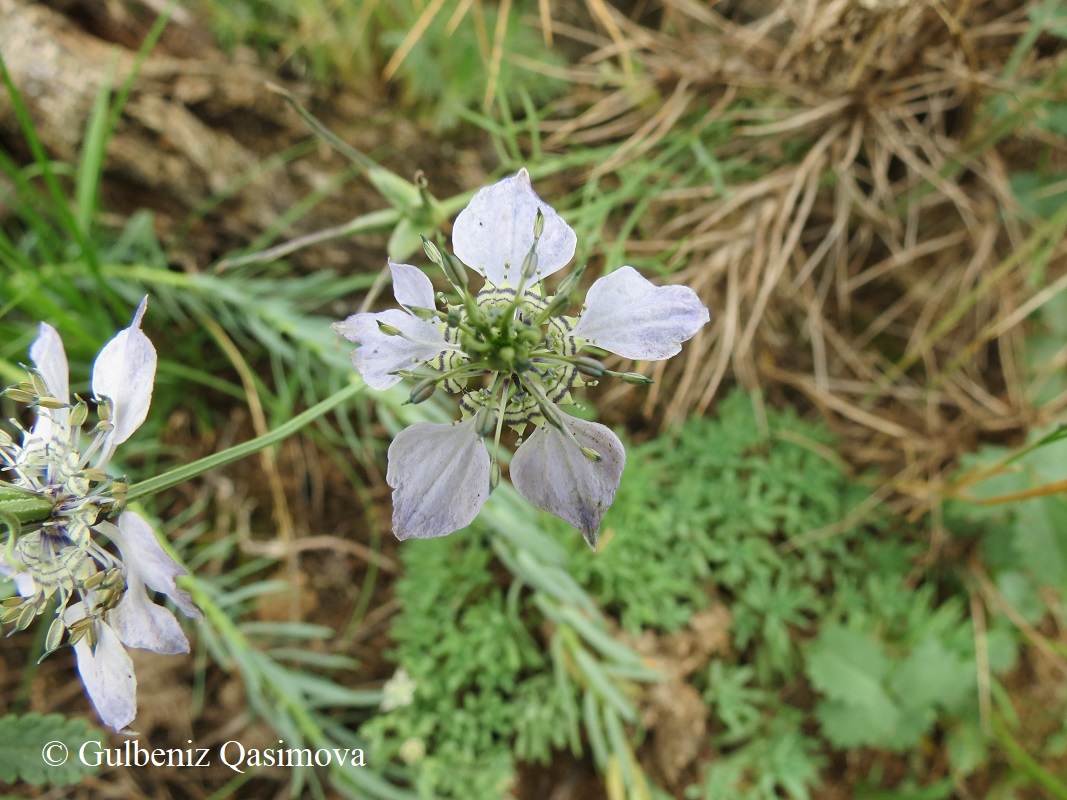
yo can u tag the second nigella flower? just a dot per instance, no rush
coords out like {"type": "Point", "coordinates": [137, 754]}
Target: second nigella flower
{"type": "Point", "coordinates": [512, 356]}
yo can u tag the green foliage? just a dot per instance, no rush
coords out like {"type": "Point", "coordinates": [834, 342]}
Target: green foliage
{"type": "Point", "coordinates": [878, 700]}
{"type": "Point", "coordinates": [708, 512]}
{"type": "Point", "coordinates": [445, 71]}
{"type": "Point", "coordinates": [709, 508]}
{"type": "Point", "coordinates": [780, 762]}
{"type": "Point", "coordinates": [22, 742]}
{"type": "Point", "coordinates": [483, 685]}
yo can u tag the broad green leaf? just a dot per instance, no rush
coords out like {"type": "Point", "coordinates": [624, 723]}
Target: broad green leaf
{"type": "Point", "coordinates": [933, 675]}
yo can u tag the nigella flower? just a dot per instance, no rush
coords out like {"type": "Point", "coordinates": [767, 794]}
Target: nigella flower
{"type": "Point", "coordinates": [512, 356]}
{"type": "Point", "coordinates": [102, 600]}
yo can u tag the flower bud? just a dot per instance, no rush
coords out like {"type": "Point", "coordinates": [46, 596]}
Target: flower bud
{"type": "Point", "coordinates": [424, 314]}
{"type": "Point", "coordinates": [632, 377]}
{"type": "Point", "coordinates": [494, 476]}
{"type": "Point", "coordinates": [455, 273]}
{"type": "Point", "coordinates": [12, 612]}
{"type": "Point", "coordinates": [529, 265]}
{"type": "Point", "coordinates": [94, 580]}
{"type": "Point", "coordinates": [589, 366]}
{"type": "Point", "coordinates": [54, 635]}
{"type": "Point", "coordinates": [79, 414]}
{"type": "Point", "coordinates": [570, 283]}
{"type": "Point", "coordinates": [39, 386]}
{"type": "Point", "coordinates": [556, 306]}
{"type": "Point", "coordinates": [25, 617]}
{"type": "Point", "coordinates": [592, 455]}
{"type": "Point", "coordinates": [552, 415]}
{"type": "Point", "coordinates": [485, 421]}
{"type": "Point", "coordinates": [539, 225]}
{"type": "Point", "coordinates": [431, 251]}
{"type": "Point", "coordinates": [423, 390]}
{"type": "Point", "coordinates": [18, 395]}
{"type": "Point", "coordinates": [387, 329]}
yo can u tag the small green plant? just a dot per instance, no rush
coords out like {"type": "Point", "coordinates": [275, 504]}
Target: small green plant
{"type": "Point", "coordinates": [43, 750]}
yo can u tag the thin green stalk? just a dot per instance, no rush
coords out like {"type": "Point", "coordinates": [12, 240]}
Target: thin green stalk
{"type": "Point", "coordinates": [1025, 762]}
{"type": "Point", "coordinates": [215, 460]}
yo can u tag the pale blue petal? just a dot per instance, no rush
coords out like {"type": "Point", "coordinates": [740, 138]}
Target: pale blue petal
{"type": "Point", "coordinates": [552, 473]}
{"type": "Point", "coordinates": [411, 287]}
{"type": "Point", "coordinates": [628, 315]}
{"type": "Point", "coordinates": [493, 234]}
{"type": "Point", "coordinates": [24, 584]}
{"type": "Point", "coordinates": [50, 358]}
{"type": "Point", "coordinates": [107, 673]}
{"type": "Point", "coordinates": [125, 371]}
{"type": "Point", "coordinates": [379, 355]}
{"type": "Point", "coordinates": [142, 624]}
{"type": "Point", "coordinates": [146, 562]}
{"type": "Point", "coordinates": [440, 474]}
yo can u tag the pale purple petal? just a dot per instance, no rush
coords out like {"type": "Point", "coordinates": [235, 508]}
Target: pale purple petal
{"type": "Point", "coordinates": [411, 287]}
{"type": "Point", "coordinates": [553, 474]}
{"type": "Point", "coordinates": [125, 371]}
{"type": "Point", "coordinates": [379, 355]}
{"type": "Point", "coordinates": [628, 315]}
{"type": "Point", "coordinates": [440, 474]}
{"type": "Point", "coordinates": [50, 358]}
{"type": "Point", "coordinates": [493, 234]}
{"type": "Point", "coordinates": [107, 673]}
{"type": "Point", "coordinates": [146, 562]}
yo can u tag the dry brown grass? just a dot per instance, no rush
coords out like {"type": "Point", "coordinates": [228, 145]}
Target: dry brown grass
{"type": "Point", "coordinates": [882, 273]}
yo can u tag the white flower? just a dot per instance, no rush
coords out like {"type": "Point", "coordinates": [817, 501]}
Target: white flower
{"type": "Point", "coordinates": [398, 691]}
{"type": "Point", "coordinates": [523, 355]}
{"type": "Point", "coordinates": [60, 558]}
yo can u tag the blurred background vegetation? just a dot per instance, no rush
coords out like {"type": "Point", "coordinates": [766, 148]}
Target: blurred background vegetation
{"type": "Point", "coordinates": [837, 564]}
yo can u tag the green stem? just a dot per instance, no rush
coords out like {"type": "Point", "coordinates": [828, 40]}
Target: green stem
{"type": "Point", "coordinates": [186, 471]}
{"type": "Point", "coordinates": [1025, 762]}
